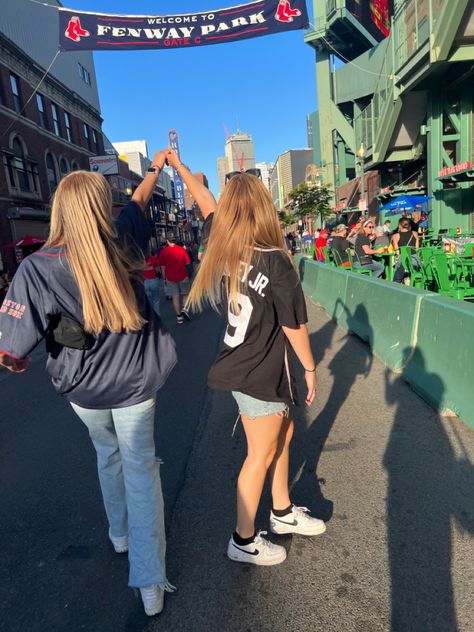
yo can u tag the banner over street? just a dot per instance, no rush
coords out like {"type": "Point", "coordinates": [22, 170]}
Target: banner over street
{"type": "Point", "coordinates": [80, 30]}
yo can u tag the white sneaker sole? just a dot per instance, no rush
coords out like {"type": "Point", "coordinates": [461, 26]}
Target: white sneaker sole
{"type": "Point", "coordinates": [152, 612]}
{"type": "Point", "coordinates": [235, 556]}
{"type": "Point", "coordinates": [120, 544]}
{"type": "Point", "coordinates": [281, 529]}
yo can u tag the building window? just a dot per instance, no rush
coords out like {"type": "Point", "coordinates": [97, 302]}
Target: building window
{"type": "Point", "coordinates": [51, 173]}
{"type": "Point", "coordinates": [15, 85]}
{"type": "Point", "coordinates": [22, 173]}
{"type": "Point", "coordinates": [94, 137]}
{"type": "Point", "coordinates": [2, 97]}
{"type": "Point", "coordinates": [63, 168]}
{"type": "Point", "coordinates": [42, 115]}
{"type": "Point", "coordinates": [86, 135]}
{"type": "Point", "coordinates": [74, 166]}
{"type": "Point", "coordinates": [84, 74]}
{"type": "Point", "coordinates": [57, 129]}
{"type": "Point", "coordinates": [19, 165]}
{"type": "Point", "coordinates": [67, 123]}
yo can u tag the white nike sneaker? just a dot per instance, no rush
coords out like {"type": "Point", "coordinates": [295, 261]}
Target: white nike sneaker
{"type": "Point", "coordinates": [120, 544]}
{"type": "Point", "coordinates": [261, 551]}
{"type": "Point", "coordinates": [298, 521]}
{"type": "Point", "coordinates": [153, 598]}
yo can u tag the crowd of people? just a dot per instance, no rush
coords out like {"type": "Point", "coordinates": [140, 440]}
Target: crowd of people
{"type": "Point", "coordinates": [359, 245]}
{"type": "Point", "coordinates": [92, 292]}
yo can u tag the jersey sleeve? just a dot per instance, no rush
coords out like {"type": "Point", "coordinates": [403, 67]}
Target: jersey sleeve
{"type": "Point", "coordinates": [287, 293]}
{"type": "Point", "coordinates": [23, 317]}
{"type": "Point", "coordinates": [132, 227]}
{"type": "Point", "coordinates": [187, 258]}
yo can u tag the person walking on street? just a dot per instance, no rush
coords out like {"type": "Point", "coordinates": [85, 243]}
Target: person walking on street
{"type": "Point", "coordinates": [266, 314]}
{"type": "Point", "coordinates": [173, 261]}
{"type": "Point", "coordinates": [108, 353]}
{"type": "Point", "coordinates": [151, 275]}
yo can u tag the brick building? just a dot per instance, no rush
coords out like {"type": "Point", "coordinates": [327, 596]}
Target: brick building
{"type": "Point", "coordinates": [43, 136]}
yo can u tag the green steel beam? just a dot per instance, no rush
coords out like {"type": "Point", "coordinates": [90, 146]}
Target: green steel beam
{"type": "Point", "coordinates": [386, 126]}
{"type": "Point", "coordinates": [342, 164]}
{"type": "Point", "coordinates": [325, 108]}
{"type": "Point", "coordinates": [462, 53]}
{"type": "Point", "coordinates": [343, 127]}
{"type": "Point", "coordinates": [450, 206]}
{"type": "Point", "coordinates": [399, 155]}
{"type": "Point", "coordinates": [447, 25]}
{"type": "Point", "coordinates": [435, 161]}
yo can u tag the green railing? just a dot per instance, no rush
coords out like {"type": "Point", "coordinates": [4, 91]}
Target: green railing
{"type": "Point", "coordinates": [410, 31]}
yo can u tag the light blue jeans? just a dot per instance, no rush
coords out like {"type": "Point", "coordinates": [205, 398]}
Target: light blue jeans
{"type": "Point", "coordinates": [152, 290]}
{"type": "Point", "coordinates": [130, 481]}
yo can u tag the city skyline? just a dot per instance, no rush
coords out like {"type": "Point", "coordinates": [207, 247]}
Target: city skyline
{"type": "Point", "coordinates": [138, 91]}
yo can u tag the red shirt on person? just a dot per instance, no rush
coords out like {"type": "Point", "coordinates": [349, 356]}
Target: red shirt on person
{"type": "Point", "coordinates": [151, 264]}
{"type": "Point", "coordinates": [174, 260]}
{"type": "Point", "coordinates": [321, 242]}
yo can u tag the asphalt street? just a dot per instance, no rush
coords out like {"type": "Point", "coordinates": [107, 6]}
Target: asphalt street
{"type": "Point", "coordinates": [392, 478]}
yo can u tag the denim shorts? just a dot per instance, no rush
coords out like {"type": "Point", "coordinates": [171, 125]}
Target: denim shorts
{"type": "Point", "coordinates": [251, 407]}
{"type": "Point", "coordinates": [175, 288]}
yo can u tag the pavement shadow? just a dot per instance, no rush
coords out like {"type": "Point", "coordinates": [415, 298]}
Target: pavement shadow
{"type": "Point", "coordinates": [428, 487]}
{"type": "Point", "coordinates": [351, 362]}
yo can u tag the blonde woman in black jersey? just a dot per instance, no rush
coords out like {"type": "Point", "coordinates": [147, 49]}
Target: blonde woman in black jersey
{"type": "Point", "coordinates": [266, 315]}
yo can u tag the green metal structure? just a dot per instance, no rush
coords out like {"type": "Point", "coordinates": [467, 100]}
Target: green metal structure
{"type": "Point", "coordinates": [402, 103]}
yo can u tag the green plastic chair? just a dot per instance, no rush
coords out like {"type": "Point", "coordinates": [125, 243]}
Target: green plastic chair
{"type": "Point", "coordinates": [469, 250]}
{"type": "Point", "coordinates": [357, 270]}
{"type": "Point", "coordinates": [327, 255]}
{"type": "Point", "coordinates": [447, 279]}
{"type": "Point", "coordinates": [417, 278]}
{"type": "Point", "coordinates": [339, 262]}
{"type": "Point", "coordinates": [424, 255]}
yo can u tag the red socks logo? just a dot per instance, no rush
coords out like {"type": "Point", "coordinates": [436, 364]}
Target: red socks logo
{"type": "Point", "coordinates": [75, 31]}
{"type": "Point", "coordinates": [285, 13]}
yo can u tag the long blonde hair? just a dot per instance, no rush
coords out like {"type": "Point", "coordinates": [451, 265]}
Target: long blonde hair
{"type": "Point", "coordinates": [81, 223]}
{"type": "Point", "coordinates": [245, 218]}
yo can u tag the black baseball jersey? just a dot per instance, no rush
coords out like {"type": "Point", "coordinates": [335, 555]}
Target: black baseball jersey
{"type": "Point", "coordinates": [254, 358]}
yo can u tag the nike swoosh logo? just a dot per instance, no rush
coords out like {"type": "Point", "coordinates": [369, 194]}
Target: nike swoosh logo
{"type": "Point", "coordinates": [291, 524]}
{"type": "Point", "coordinates": [256, 552]}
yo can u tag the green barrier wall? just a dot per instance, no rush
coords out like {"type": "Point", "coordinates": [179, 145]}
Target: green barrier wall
{"type": "Point", "coordinates": [384, 314]}
{"type": "Point", "coordinates": [442, 368]}
{"type": "Point", "coordinates": [428, 338]}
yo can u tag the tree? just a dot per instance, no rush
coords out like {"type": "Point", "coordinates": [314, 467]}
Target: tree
{"type": "Point", "coordinates": [310, 199]}
{"type": "Point", "coordinates": [285, 219]}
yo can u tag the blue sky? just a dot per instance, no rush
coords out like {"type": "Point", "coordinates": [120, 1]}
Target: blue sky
{"type": "Point", "coordinates": [267, 85]}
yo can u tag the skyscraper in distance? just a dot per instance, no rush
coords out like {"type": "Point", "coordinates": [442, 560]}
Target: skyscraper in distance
{"type": "Point", "coordinates": [265, 169]}
{"type": "Point", "coordinates": [239, 151]}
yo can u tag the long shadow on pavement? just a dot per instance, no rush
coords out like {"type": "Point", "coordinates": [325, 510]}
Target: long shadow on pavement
{"type": "Point", "coordinates": [427, 487]}
{"type": "Point", "coordinates": [352, 361]}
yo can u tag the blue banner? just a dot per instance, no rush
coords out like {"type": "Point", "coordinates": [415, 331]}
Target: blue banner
{"type": "Point", "coordinates": [81, 30]}
{"type": "Point", "coordinates": [178, 181]}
